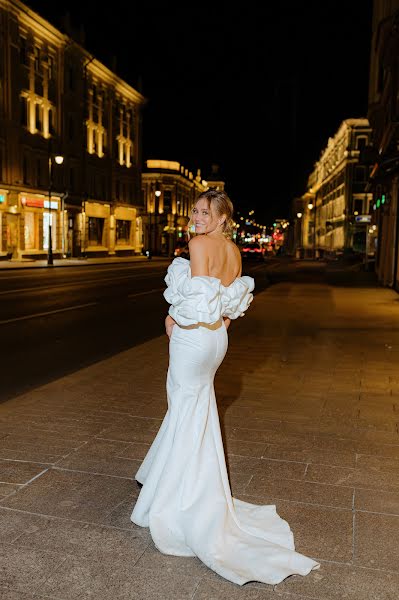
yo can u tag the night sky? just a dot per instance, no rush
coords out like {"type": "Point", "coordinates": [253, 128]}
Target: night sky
{"type": "Point", "coordinates": [256, 89]}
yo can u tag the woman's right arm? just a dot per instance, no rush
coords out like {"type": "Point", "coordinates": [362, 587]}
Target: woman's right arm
{"type": "Point", "coordinates": [199, 262]}
{"type": "Point", "coordinates": [169, 324]}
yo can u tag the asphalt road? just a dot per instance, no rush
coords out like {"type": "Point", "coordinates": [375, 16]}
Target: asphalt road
{"type": "Point", "coordinates": [55, 321]}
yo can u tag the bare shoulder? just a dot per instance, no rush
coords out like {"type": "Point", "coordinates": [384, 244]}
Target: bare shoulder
{"type": "Point", "coordinates": [199, 242]}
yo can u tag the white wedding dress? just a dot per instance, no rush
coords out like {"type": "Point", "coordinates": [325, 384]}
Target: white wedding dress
{"type": "Point", "coordinates": [186, 499]}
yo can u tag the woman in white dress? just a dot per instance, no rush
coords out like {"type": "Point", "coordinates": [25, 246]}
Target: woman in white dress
{"type": "Point", "coordinates": [185, 498]}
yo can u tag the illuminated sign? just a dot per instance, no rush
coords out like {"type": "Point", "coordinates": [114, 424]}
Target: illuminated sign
{"type": "Point", "coordinates": [34, 202]}
{"type": "Point", "coordinates": [2, 198]}
{"type": "Point", "coordinates": [54, 204]}
{"type": "Point", "coordinates": [363, 218]}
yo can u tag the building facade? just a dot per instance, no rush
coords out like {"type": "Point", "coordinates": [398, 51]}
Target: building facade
{"type": "Point", "coordinates": [169, 191]}
{"type": "Point", "coordinates": [383, 155]}
{"type": "Point", "coordinates": [56, 100]}
{"type": "Point", "coordinates": [336, 202]}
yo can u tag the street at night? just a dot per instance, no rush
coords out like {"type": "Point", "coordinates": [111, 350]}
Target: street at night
{"type": "Point", "coordinates": [55, 321]}
{"type": "Point", "coordinates": [199, 300]}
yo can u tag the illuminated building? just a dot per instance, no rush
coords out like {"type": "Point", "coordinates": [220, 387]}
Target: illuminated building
{"type": "Point", "coordinates": [169, 191]}
{"type": "Point", "coordinates": [168, 211]}
{"type": "Point", "coordinates": [57, 98]}
{"type": "Point", "coordinates": [336, 194]}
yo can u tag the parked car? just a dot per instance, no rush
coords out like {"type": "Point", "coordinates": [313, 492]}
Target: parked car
{"type": "Point", "coordinates": [182, 250]}
{"type": "Point", "coordinates": [252, 250]}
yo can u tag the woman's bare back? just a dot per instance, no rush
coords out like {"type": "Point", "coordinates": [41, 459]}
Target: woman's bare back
{"type": "Point", "coordinates": [224, 259]}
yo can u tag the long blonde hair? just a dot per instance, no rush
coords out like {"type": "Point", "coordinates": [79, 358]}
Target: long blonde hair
{"type": "Point", "coordinates": [220, 204]}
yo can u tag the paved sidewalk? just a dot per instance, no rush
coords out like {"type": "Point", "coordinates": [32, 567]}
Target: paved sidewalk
{"type": "Point", "coordinates": [75, 262]}
{"type": "Point", "coordinates": [309, 403]}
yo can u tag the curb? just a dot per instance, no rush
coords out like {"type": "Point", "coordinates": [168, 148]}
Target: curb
{"type": "Point", "coordinates": [82, 264]}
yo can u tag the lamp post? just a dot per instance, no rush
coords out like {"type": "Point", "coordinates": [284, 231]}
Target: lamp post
{"type": "Point", "coordinates": [59, 160]}
{"type": "Point", "coordinates": [310, 207]}
{"type": "Point", "coordinates": [298, 246]}
{"type": "Point", "coordinates": [149, 251]}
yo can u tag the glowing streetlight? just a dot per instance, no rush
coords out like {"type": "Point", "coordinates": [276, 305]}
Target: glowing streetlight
{"type": "Point", "coordinates": [149, 251]}
{"type": "Point", "coordinates": [59, 160]}
{"type": "Point", "coordinates": [299, 215]}
{"type": "Point", "coordinates": [310, 206]}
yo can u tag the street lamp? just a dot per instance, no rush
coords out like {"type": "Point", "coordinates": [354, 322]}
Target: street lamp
{"type": "Point", "coordinates": [310, 207]}
{"type": "Point", "coordinates": [59, 160]}
{"type": "Point", "coordinates": [296, 245]}
{"type": "Point", "coordinates": [149, 251]}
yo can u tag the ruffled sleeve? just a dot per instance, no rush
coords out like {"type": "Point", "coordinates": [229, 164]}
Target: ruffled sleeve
{"type": "Point", "coordinates": [192, 299]}
{"type": "Point", "coordinates": [237, 297]}
{"type": "Point", "coordinates": [204, 299]}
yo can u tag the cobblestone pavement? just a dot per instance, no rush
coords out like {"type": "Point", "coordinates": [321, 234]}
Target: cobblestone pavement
{"type": "Point", "coordinates": [309, 404]}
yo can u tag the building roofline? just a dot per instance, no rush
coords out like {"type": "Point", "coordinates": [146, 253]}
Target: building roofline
{"type": "Point", "coordinates": [33, 19]}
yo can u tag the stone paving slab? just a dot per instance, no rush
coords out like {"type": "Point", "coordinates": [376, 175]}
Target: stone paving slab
{"type": "Point", "coordinates": [308, 397]}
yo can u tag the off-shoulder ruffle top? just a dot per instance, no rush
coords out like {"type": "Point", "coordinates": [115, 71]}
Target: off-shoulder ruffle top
{"type": "Point", "coordinates": [203, 299]}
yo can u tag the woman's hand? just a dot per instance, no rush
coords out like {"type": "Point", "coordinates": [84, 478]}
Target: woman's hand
{"type": "Point", "coordinates": [227, 322]}
{"type": "Point", "coordinates": [169, 324]}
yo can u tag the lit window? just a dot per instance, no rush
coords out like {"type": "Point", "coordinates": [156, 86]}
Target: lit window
{"type": "Point", "coordinates": [38, 117]}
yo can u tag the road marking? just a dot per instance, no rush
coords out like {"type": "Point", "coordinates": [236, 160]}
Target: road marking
{"type": "Point", "coordinates": [145, 293]}
{"type": "Point", "coordinates": [83, 284]}
{"type": "Point", "coordinates": [41, 272]}
{"type": "Point", "coordinates": [45, 314]}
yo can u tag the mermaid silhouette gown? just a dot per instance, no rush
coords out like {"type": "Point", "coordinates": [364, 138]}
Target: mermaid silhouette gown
{"type": "Point", "coordinates": [186, 499]}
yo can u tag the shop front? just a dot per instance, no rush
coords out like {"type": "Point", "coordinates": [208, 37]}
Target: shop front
{"type": "Point", "coordinates": [38, 214]}
{"type": "Point", "coordinates": [5, 247]}
{"type": "Point", "coordinates": [123, 231]}
{"type": "Point", "coordinates": [96, 229]}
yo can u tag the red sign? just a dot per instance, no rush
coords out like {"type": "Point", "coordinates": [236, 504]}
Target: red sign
{"type": "Point", "coordinates": [36, 202]}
